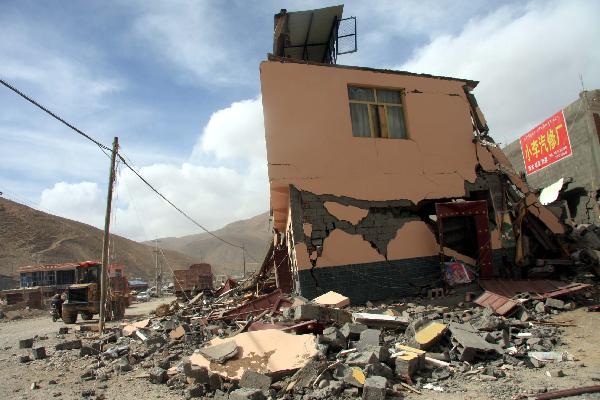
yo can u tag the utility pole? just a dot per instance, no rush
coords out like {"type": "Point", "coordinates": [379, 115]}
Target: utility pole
{"type": "Point", "coordinates": [105, 240]}
{"type": "Point", "coordinates": [157, 271]}
{"type": "Point", "coordinates": [244, 257]}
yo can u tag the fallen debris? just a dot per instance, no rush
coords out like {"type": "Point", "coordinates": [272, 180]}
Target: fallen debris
{"type": "Point", "coordinates": [332, 299]}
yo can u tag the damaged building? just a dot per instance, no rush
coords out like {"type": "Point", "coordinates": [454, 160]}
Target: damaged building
{"type": "Point", "coordinates": [570, 166]}
{"type": "Point", "coordinates": [378, 178]}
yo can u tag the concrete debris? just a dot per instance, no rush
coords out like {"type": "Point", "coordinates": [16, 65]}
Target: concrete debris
{"type": "Point", "coordinates": [374, 388]}
{"type": "Point", "coordinates": [251, 379]}
{"type": "Point", "coordinates": [430, 334]}
{"type": "Point", "coordinates": [251, 343]}
{"type": "Point", "coordinates": [332, 299]}
{"type": "Point", "coordinates": [220, 353]}
{"type": "Point", "coordinates": [269, 351]}
{"type": "Point", "coordinates": [26, 343]}
{"type": "Point", "coordinates": [380, 320]}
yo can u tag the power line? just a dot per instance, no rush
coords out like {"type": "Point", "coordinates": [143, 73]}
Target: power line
{"type": "Point", "coordinates": [104, 147]}
{"type": "Point", "coordinates": [41, 107]}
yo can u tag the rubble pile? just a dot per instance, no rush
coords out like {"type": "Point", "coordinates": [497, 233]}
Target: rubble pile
{"type": "Point", "coordinates": [243, 346]}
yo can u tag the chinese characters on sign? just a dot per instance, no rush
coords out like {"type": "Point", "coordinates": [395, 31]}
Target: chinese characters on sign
{"type": "Point", "coordinates": [546, 143]}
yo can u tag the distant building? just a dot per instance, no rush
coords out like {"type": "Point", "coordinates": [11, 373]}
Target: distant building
{"type": "Point", "coordinates": [581, 167]}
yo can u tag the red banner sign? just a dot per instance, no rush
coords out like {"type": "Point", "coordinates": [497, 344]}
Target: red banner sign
{"type": "Point", "coordinates": [546, 144]}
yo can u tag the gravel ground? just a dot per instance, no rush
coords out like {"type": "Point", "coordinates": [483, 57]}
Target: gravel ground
{"type": "Point", "coordinates": [59, 375]}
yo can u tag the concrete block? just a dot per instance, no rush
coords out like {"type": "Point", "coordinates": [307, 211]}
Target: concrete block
{"type": "Point", "coordinates": [379, 369]}
{"type": "Point", "coordinates": [158, 375]}
{"type": "Point", "coordinates": [409, 360]}
{"type": "Point", "coordinates": [333, 338]}
{"type": "Point", "coordinates": [307, 312]}
{"type": "Point", "coordinates": [374, 388]}
{"type": "Point", "coordinates": [430, 334]}
{"type": "Point", "coordinates": [198, 374]}
{"type": "Point", "coordinates": [38, 353]}
{"type": "Point", "coordinates": [354, 376]}
{"type": "Point", "coordinates": [247, 394]}
{"type": "Point", "coordinates": [26, 343]}
{"type": "Point", "coordinates": [351, 331]}
{"type": "Point", "coordinates": [362, 359]}
{"type": "Point", "coordinates": [255, 380]}
{"type": "Point", "coordinates": [555, 303]}
{"type": "Point", "coordinates": [68, 345]}
{"type": "Point", "coordinates": [368, 337]}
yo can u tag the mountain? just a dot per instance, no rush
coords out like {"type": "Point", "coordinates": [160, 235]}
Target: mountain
{"type": "Point", "coordinates": [254, 233]}
{"type": "Point", "coordinates": [29, 236]}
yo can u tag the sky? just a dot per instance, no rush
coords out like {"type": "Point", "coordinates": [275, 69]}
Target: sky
{"type": "Point", "coordinates": [178, 83]}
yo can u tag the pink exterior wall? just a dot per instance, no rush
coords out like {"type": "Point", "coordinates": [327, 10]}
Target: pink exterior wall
{"type": "Point", "coordinates": [310, 143]}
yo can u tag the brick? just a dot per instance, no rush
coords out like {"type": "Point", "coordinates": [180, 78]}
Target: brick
{"type": "Point", "coordinates": [374, 388]}
{"type": "Point", "coordinates": [255, 380]}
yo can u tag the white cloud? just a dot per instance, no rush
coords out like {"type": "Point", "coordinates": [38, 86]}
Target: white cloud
{"type": "Point", "coordinates": [235, 132]}
{"type": "Point", "coordinates": [212, 194]}
{"type": "Point", "coordinates": [196, 37]}
{"type": "Point", "coordinates": [528, 60]}
{"type": "Point", "coordinates": [83, 201]}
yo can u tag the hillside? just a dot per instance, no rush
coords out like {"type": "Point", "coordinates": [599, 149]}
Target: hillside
{"type": "Point", "coordinates": [253, 233]}
{"type": "Point", "coordinates": [29, 236]}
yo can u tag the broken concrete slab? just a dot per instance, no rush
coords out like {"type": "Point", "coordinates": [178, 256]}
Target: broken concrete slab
{"type": "Point", "coordinates": [332, 299]}
{"type": "Point", "coordinates": [269, 351]}
{"type": "Point", "coordinates": [381, 320]}
{"type": "Point", "coordinates": [221, 352]}
{"type": "Point", "coordinates": [429, 334]}
{"type": "Point", "coordinates": [177, 333]}
{"type": "Point", "coordinates": [197, 374]}
{"type": "Point", "coordinates": [469, 343]}
{"type": "Point", "coordinates": [555, 303]}
{"type": "Point", "coordinates": [378, 369]}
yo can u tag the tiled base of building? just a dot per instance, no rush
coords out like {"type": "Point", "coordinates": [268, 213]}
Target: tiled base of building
{"type": "Point", "coordinates": [383, 280]}
{"type": "Point", "coordinates": [373, 281]}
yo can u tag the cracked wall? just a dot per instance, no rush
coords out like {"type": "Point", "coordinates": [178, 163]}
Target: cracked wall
{"type": "Point", "coordinates": [386, 230]}
{"type": "Point", "coordinates": [310, 144]}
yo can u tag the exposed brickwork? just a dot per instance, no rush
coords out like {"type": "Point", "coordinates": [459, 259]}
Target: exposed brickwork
{"type": "Point", "coordinates": [379, 226]}
{"type": "Point", "coordinates": [373, 281]}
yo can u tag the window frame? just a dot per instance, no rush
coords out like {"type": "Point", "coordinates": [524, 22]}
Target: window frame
{"type": "Point", "coordinates": [372, 105]}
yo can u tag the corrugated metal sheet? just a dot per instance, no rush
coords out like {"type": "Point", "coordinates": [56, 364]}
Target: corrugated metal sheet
{"type": "Point", "coordinates": [539, 288]}
{"type": "Point", "coordinates": [500, 304]}
{"type": "Point", "coordinates": [57, 267]}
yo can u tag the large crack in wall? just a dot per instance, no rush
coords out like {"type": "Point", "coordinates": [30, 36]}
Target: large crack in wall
{"type": "Point", "coordinates": [378, 227]}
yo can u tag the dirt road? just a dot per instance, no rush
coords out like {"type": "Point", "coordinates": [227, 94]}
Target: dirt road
{"type": "Point", "coordinates": [67, 369]}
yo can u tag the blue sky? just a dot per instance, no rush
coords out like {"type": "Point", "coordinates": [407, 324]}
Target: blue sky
{"type": "Point", "coordinates": [178, 82]}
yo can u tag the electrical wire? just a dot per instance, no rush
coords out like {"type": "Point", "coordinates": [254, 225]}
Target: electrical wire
{"type": "Point", "coordinates": [47, 111]}
{"type": "Point", "coordinates": [104, 147]}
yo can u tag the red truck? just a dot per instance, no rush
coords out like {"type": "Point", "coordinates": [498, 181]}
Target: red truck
{"type": "Point", "coordinates": [197, 278]}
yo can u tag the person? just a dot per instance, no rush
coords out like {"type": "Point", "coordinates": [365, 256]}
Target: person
{"type": "Point", "coordinates": [57, 302]}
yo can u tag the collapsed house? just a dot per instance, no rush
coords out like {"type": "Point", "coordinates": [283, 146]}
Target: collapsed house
{"type": "Point", "coordinates": [562, 154]}
{"type": "Point", "coordinates": [378, 178]}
